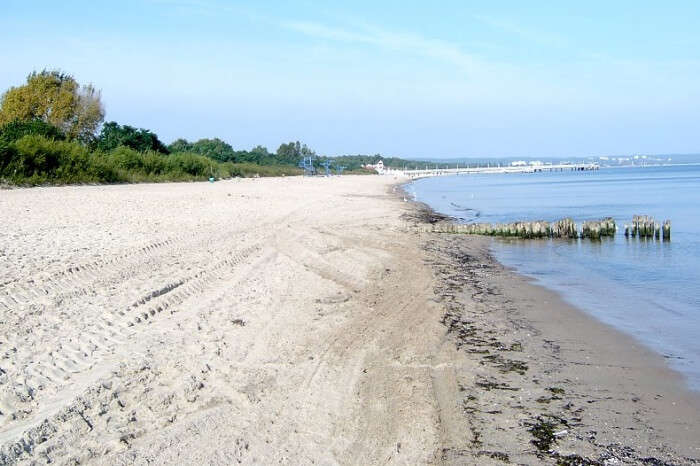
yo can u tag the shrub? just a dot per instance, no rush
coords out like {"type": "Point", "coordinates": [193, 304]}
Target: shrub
{"type": "Point", "coordinates": [253, 169]}
{"type": "Point", "coordinates": [189, 164]}
{"type": "Point", "coordinates": [17, 129]}
{"type": "Point", "coordinates": [103, 169]}
{"type": "Point", "coordinates": [41, 159]}
{"type": "Point", "coordinates": [125, 158]}
{"type": "Point", "coordinates": [37, 159]}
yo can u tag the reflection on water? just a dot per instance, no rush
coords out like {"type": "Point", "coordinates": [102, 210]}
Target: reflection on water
{"type": "Point", "coordinates": [648, 288]}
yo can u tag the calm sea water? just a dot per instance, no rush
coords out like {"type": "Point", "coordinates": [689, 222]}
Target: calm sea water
{"type": "Point", "coordinates": [647, 288]}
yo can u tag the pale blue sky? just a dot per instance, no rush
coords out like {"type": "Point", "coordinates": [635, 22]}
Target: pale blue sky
{"type": "Point", "coordinates": [415, 79]}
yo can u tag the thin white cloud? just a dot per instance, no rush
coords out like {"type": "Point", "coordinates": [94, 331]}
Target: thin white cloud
{"type": "Point", "coordinates": [388, 40]}
{"type": "Point", "coordinates": [517, 29]}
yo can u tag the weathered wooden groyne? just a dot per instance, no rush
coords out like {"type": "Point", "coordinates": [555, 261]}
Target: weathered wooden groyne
{"type": "Point", "coordinates": [564, 228]}
{"type": "Point", "coordinates": [598, 228]}
{"type": "Point", "coordinates": [642, 226]}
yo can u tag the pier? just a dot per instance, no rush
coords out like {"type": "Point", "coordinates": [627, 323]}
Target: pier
{"type": "Point", "coordinates": [421, 173]}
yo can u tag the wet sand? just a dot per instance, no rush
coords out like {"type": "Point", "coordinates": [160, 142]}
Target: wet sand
{"type": "Point", "coordinates": [301, 321]}
{"type": "Point", "coordinates": [545, 375]}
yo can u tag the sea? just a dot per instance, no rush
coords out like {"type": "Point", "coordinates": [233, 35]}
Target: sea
{"type": "Point", "coordinates": [647, 288]}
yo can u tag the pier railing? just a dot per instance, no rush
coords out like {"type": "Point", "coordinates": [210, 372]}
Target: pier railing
{"type": "Point", "coordinates": [420, 173]}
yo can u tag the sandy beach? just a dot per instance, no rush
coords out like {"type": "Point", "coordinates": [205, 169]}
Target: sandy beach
{"type": "Point", "coordinates": [302, 321]}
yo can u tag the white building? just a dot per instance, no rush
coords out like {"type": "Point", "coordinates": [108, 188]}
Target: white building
{"type": "Point", "coordinates": [378, 167]}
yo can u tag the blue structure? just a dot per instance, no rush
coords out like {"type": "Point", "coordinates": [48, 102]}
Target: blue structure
{"type": "Point", "coordinates": [327, 165]}
{"type": "Point", "coordinates": [307, 164]}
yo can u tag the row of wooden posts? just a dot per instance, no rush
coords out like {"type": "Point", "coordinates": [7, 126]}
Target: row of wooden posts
{"type": "Point", "coordinates": [642, 226]}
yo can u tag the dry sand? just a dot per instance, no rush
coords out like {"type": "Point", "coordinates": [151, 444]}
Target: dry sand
{"type": "Point", "coordinates": [300, 321]}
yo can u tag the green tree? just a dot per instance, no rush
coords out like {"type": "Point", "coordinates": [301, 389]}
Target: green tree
{"type": "Point", "coordinates": [16, 129]}
{"type": "Point", "coordinates": [180, 145]}
{"type": "Point", "coordinates": [57, 99]}
{"type": "Point", "coordinates": [114, 135]}
{"type": "Point", "coordinates": [215, 149]}
{"type": "Point", "coordinates": [260, 150]}
{"type": "Point", "coordinates": [292, 152]}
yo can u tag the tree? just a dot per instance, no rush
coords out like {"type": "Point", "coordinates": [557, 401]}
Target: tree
{"type": "Point", "coordinates": [260, 151]}
{"type": "Point", "coordinates": [16, 129]}
{"type": "Point", "coordinates": [89, 114]}
{"type": "Point", "coordinates": [114, 135]}
{"type": "Point", "coordinates": [180, 145]}
{"type": "Point", "coordinates": [215, 149]}
{"type": "Point", "coordinates": [55, 98]}
{"type": "Point", "coordinates": [292, 152]}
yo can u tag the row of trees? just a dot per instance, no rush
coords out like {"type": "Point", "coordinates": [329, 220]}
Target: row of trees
{"type": "Point", "coordinates": [52, 125]}
{"type": "Point", "coordinates": [77, 113]}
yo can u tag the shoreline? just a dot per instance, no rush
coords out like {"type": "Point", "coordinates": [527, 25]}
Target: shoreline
{"type": "Point", "coordinates": [439, 217]}
{"type": "Point", "coordinates": [590, 377]}
{"type": "Point", "coordinates": [657, 357]}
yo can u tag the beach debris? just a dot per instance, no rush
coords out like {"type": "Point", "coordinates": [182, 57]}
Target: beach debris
{"type": "Point", "coordinates": [543, 433]}
{"type": "Point", "coordinates": [497, 455]}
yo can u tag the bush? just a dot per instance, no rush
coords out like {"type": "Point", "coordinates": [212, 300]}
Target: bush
{"type": "Point", "coordinates": [148, 163]}
{"type": "Point", "coordinates": [103, 169]}
{"type": "Point", "coordinates": [228, 170]}
{"type": "Point", "coordinates": [126, 158]}
{"type": "Point", "coordinates": [186, 163]}
{"type": "Point", "coordinates": [36, 159]}
{"type": "Point", "coordinates": [7, 155]}
{"type": "Point", "coordinates": [17, 129]}
{"type": "Point", "coordinates": [253, 169]}
{"type": "Point", "coordinates": [37, 156]}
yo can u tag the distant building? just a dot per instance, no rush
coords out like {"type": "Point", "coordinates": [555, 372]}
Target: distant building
{"type": "Point", "coordinates": [518, 163]}
{"type": "Point", "coordinates": [378, 167]}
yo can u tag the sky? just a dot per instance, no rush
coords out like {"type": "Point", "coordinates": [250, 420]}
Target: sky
{"type": "Point", "coordinates": [404, 78]}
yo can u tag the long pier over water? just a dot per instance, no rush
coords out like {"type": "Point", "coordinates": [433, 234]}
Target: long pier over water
{"type": "Point", "coordinates": [421, 173]}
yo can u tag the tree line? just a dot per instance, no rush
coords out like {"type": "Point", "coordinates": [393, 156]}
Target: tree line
{"type": "Point", "coordinates": [52, 130]}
